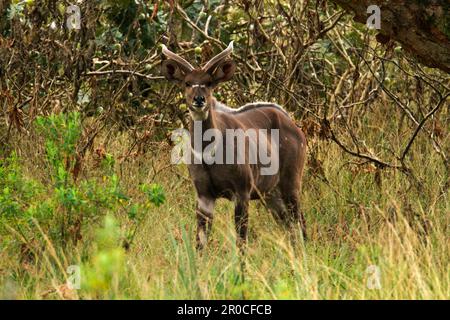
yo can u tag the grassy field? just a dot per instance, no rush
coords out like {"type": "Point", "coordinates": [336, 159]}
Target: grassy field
{"type": "Point", "coordinates": [372, 235]}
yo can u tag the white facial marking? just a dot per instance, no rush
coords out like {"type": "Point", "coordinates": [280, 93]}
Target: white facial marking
{"type": "Point", "coordinates": [199, 115]}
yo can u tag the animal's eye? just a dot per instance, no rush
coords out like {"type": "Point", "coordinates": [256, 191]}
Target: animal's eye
{"type": "Point", "coordinates": [188, 84]}
{"type": "Point", "coordinates": [209, 84]}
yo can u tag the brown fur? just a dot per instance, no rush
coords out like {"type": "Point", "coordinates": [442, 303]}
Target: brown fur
{"type": "Point", "coordinates": [241, 182]}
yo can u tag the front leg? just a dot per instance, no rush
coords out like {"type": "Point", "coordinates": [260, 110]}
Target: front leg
{"type": "Point", "coordinates": [205, 211]}
{"type": "Point", "coordinates": [241, 220]}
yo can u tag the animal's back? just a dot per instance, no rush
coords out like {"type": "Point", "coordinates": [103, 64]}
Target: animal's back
{"type": "Point", "coordinates": [248, 107]}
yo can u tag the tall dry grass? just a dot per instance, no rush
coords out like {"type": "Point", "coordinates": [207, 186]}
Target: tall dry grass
{"type": "Point", "coordinates": [372, 235]}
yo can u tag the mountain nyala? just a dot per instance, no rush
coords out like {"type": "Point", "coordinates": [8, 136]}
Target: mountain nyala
{"type": "Point", "coordinates": [244, 180]}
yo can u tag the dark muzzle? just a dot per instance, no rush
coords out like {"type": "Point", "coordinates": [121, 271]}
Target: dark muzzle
{"type": "Point", "coordinates": [199, 101]}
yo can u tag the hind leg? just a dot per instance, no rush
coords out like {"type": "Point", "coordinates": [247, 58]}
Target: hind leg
{"type": "Point", "coordinates": [290, 184]}
{"type": "Point", "coordinates": [284, 207]}
{"type": "Point", "coordinates": [294, 217]}
{"type": "Point", "coordinates": [276, 206]}
{"type": "Point", "coordinates": [241, 220]}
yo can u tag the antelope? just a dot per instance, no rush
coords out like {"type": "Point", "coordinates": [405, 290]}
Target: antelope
{"type": "Point", "coordinates": [239, 182]}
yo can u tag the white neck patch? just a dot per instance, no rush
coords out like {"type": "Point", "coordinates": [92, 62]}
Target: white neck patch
{"type": "Point", "coordinates": [200, 115]}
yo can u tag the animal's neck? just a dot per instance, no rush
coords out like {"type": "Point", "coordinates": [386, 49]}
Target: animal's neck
{"type": "Point", "coordinates": [199, 127]}
{"type": "Point", "coordinates": [215, 105]}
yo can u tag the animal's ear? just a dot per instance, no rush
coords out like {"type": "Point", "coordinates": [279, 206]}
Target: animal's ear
{"type": "Point", "coordinates": [223, 72]}
{"type": "Point", "coordinates": [172, 70]}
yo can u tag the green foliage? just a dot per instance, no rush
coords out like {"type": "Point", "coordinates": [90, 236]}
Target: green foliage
{"type": "Point", "coordinates": [187, 268]}
{"type": "Point", "coordinates": [103, 272]}
{"type": "Point", "coordinates": [17, 8]}
{"type": "Point", "coordinates": [16, 195]}
{"type": "Point", "coordinates": [64, 208]}
{"type": "Point", "coordinates": [61, 133]}
{"type": "Point", "coordinates": [154, 193]}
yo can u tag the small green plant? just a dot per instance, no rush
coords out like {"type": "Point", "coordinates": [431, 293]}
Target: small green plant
{"type": "Point", "coordinates": [61, 133]}
{"type": "Point", "coordinates": [16, 195]}
{"type": "Point", "coordinates": [16, 9]}
{"type": "Point", "coordinates": [103, 272]}
{"type": "Point", "coordinates": [155, 194]}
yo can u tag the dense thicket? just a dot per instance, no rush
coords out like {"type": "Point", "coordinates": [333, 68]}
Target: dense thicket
{"type": "Point", "coordinates": [307, 56]}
